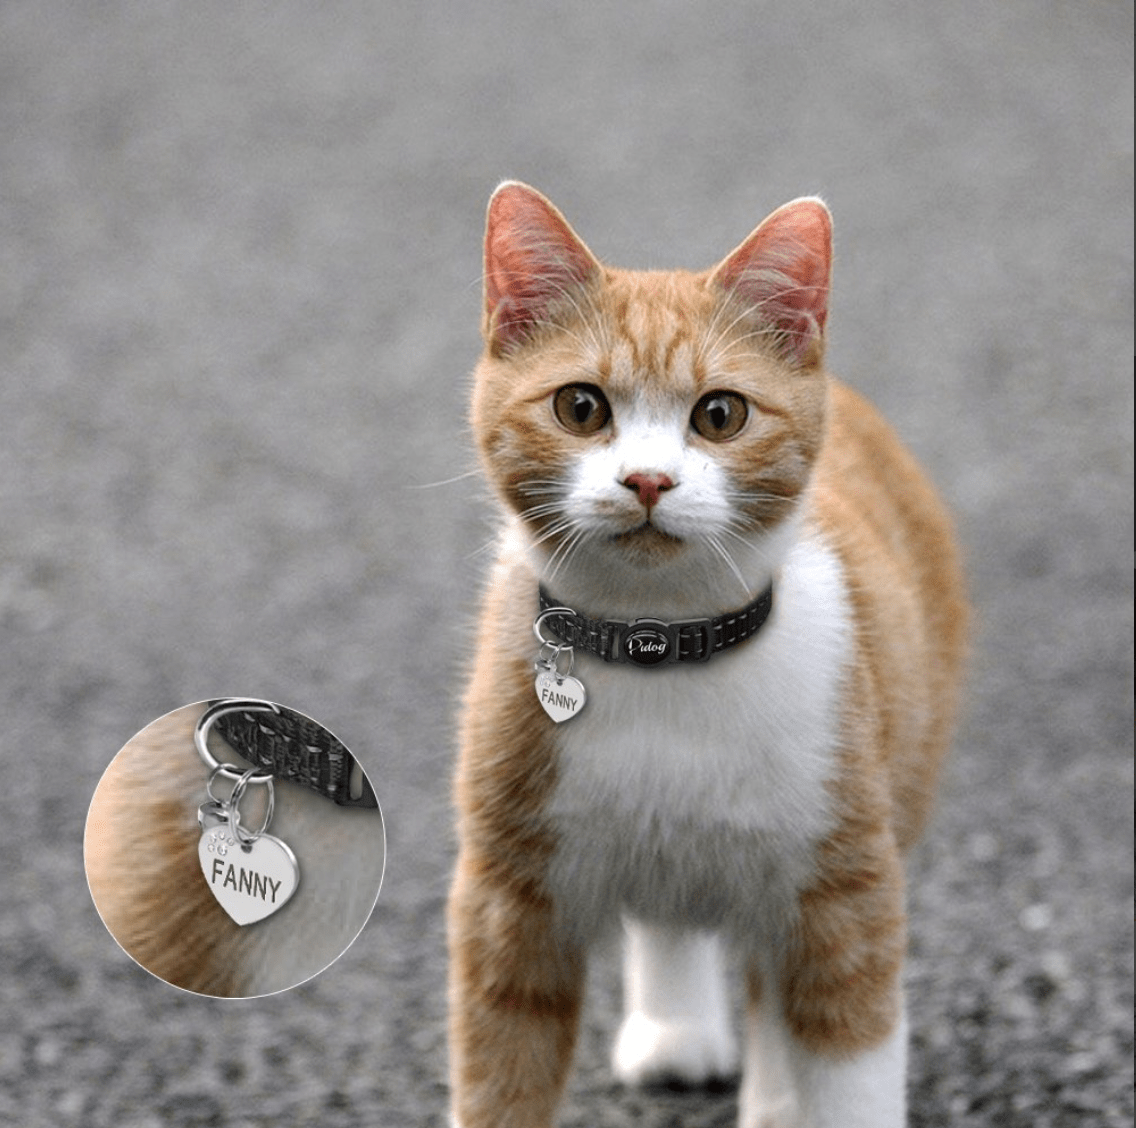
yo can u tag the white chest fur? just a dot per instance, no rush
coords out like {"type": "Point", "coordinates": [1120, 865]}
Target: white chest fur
{"type": "Point", "coordinates": [695, 794]}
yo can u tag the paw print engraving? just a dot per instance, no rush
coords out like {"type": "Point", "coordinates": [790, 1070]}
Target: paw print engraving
{"type": "Point", "coordinates": [219, 843]}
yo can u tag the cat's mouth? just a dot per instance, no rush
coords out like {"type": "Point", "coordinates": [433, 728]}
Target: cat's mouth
{"type": "Point", "coordinates": [647, 536]}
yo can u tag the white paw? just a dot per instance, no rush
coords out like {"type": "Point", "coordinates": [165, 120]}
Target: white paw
{"type": "Point", "coordinates": [650, 1051]}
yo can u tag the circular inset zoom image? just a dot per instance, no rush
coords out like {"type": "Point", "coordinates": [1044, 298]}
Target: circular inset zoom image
{"type": "Point", "coordinates": [234, 848]}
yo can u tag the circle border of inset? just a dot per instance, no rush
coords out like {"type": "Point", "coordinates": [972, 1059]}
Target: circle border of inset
{"type": "Point", "coordinates": [145, 823]}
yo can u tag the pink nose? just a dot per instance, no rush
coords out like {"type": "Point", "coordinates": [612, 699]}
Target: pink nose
{"type": "Point", "coordinates": [648, 487]}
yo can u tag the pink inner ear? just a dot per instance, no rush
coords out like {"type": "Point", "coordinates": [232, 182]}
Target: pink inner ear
{"type": "Point", "coordinates": [532, 257]}
{"type": "Point", "coordinates": [783, 271]}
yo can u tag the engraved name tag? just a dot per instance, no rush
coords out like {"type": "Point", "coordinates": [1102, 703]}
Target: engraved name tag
{"type": "Point", "coordinates": [560, 697]}
{"type": "Point", "coordinates": [249, 883]}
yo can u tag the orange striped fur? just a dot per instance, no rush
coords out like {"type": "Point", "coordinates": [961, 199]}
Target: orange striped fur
{"type": "Point", "coordinates": [765, 797]}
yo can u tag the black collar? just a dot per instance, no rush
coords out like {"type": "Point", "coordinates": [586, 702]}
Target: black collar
{"type": "Point", "coordinates": [651, 642]}
{"type": "Point", "coordinates": [287, 745]}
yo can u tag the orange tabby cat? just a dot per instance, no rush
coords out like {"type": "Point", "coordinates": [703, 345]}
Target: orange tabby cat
{"type": "Point", "coordinates": [743, 771]}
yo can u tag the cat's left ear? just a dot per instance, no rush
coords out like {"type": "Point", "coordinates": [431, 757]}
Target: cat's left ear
{"type": "Point", "coordinates": [783, 271]}
{"type": "Point", "coordinates": [534, 262]}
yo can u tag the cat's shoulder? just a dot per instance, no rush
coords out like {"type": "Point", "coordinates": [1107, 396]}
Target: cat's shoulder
{"type": "Point", "coordinates": [868, 486]}
{"type": "Point", "coordinates": [855, 427]}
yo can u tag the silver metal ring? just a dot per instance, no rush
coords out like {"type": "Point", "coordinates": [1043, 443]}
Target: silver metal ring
{"type": "Point", "coordinates": [243, 837]}
{"type": "Point", "coordinates": [212, 776]}
{"type": "Point", "coordinates": [243, 776]}
{"type": "Point", "coordinates": [205, 723]}
{"type": "Point", "coordinates": [544, 615]}
{"type": "Point", "coordinates": [552, 662]}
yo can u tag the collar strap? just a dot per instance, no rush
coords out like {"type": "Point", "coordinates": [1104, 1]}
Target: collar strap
{"type": "Point", "coordinates": [292, 747]}
{"type": "Point", "coordinates": [652, 642]}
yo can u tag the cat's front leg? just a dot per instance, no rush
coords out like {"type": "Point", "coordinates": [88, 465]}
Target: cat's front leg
{"type": "Point", "coordinates": [515, 997]}
{"type": "Point", "coordinates": [676, 1024]}
{"type": "Point", "coordinates": [865, 1090]}
{"type": "Point", "coordinates": [826, 1029]}
{"type": "Point", "coordinates": [789, 1083]}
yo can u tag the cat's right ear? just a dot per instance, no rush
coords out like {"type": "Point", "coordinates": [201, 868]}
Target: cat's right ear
{"type": "Point", "coordinates": [533, 262]}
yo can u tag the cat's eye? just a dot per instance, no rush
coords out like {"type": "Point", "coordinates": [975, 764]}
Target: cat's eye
{"type": "Point", "coordinates": [719, 415]}
{"type": "Point", "coordinates": [581, 408]}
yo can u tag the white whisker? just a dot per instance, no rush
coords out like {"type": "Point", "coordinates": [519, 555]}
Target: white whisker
{"type": "Point", "coordinates": [723, 553]}
{"type": "Point", "coordinates": [566, 550]}
{"type": "Point", "coordinates": [444, 482]}
{"type": "Point", "coordinates": [482, 549]}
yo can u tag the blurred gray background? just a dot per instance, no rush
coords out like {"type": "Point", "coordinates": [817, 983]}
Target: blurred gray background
{"type": "Point", "coordinates": [239, 290]}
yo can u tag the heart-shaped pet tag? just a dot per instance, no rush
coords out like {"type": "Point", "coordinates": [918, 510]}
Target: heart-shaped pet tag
{"type": "Point", "coordinates": [249, 884]}
{"type": "Point", "coordinates": [561, 697]}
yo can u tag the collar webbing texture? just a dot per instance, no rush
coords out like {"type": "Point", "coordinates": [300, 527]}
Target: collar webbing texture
{"type": "Point", "coordinates": [293, 747]}
{"type": "Point", "coordinates": [654, 642]}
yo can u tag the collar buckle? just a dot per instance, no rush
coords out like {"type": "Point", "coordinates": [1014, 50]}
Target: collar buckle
{"type": "Point", "coordinates": [700, 632]}
{"type": "Point", "coordinates": [652, 642]}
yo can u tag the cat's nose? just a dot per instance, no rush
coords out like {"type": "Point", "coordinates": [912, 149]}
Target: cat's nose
{"type": "Point", "coordinates": [648, 487]}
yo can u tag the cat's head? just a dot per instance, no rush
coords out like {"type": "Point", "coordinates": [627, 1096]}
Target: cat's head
{"type": "Point", "coordinates": [651, 424]}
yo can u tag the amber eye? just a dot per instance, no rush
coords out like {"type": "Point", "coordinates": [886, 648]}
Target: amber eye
{"type": "Point", "coordinates": [581, 408]}
{"type": "Point", "coordinates": [719, 415]}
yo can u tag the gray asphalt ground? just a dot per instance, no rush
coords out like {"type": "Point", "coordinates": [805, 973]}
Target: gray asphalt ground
{"type": "Point", "coordinates": [239, 290]}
